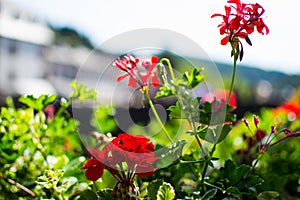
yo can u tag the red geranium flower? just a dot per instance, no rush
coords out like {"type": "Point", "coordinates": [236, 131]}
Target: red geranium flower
{"type": "Point", "coordinates": [239, 21]}
{"type": "Point", "coordinates": [138, 75]}
{"type": "Point", "coordinates": [136, 151]}
{"type": "Point", "coordinates": [137, 144]}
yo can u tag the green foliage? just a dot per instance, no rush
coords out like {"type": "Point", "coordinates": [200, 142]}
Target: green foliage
{"type": "Point", "coordinates": [87, 195]}
{"type": "Point", "coordinates": [175, 112]}
{"type": "Point", "coordinates": [153, 187]}
{"type": "Point", "coordinates": [188, 81]}
{"type": "Point", "coordinates": [41, 156]}
{"type": "Point", "coordinates": [215, 134]}
{"type": "Point", "coordinates": [81, 93]}
{"type": "Point", "coordinates": [103, 119]}
{"type": "Point", "coordinates": [193, 78]}
{"type": "Point", "coordinates": [188, 111]}
{"type": "Point", "coordinates": [238, 181]}
{"type": "Point", "coordinates": [166, 90]}
{"type": "Point", "coordinates": [268, 195]}
{"type": "Point", "coordinates": [210, 194]}
{"type": "Point", "coordinates": [215, 113]}
{"type": "Point", "coordinates": [105, 194]}
{"type": "Point", "coordinates": [170, 155]}
{"type": "Point", "coordinates": [165, 192]}
{"type": "Point", "coordinates": [39, 103]}
{"type": "Point", "coordinates": [28, 151]}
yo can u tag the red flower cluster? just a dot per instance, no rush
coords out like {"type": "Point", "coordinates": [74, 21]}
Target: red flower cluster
{"type": "Point", "coordinates": [142, 77]}
{"type": "Point", "coordinates": [291, 108]}
{"type": "Point", "coordinates": [136, 151]}
{"type": "Point", "coordinates": [240, 20]}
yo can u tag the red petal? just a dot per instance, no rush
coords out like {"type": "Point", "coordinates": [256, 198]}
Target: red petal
{"type": "Point", "coordinates": [91, 162]}
{"type": "Point", "coordinates": [94, 169]}
{"type": "Point", "coordinates": [132, 82]}
{"type": "Point", "coordinates": [95, 172]}
{"type": "Point", "coordinates": [227, 10]}
{"type": "Point", "coordinates": [120, 78]}
{"type": "Point", "coordinates": [216, 15]}
{"type": "Point", "coordinates": [155, 81]}
{"type": "Point", "coordinates": [154, 59]}
{"type": "Point", "coordinates": [224, 41]}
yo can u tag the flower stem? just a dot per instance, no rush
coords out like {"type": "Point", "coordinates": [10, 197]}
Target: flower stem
{"type": "Point", "coordinates": [192, 124]}
{"type": "Point", "coordinates": [211, 185]}
{"type": "Point", "coordinates": [207, 162]}
{"type": "Point", "coordinates": [169, 66]}
{"type": "Point", "coordinates": [157, 116]}
{"type": "Point", "coordinates": [296, 134]}
{"type": "Point", "coordinates": [233, 74]}
{"type": "Point", "coordinates": [192, 161]}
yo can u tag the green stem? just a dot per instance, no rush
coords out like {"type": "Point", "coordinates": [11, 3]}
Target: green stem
{"type": "Point", "coordinates": [191, 161]}
{"type": "Point", "coordinates": [157, 116]}
{"type": "Point", "coordinates": [233, 75]}
{"type": "Point", "coordinates": [169, 66]}
{"type": "Point", "coordinates": [94, 187]}
{"type": "Point", "coordinates": [192, 124]}
{"type": "Point", "coordinates": [256, 161]}
{"type": "Point", "coordinates": [251, 171]}
{"type": "Point", "coordinates": [207, 163]}
{"type": "Point", "coordinates": [196, 136]}
{"type": "Point", "coordinates": [211, 185]}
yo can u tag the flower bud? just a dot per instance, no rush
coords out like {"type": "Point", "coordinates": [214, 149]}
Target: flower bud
{"type": "Point", "coordinates": [246, 122]}
{"type": "Point", "coordinates": [256, 120]}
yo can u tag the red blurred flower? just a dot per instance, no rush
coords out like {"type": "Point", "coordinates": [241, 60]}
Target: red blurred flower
{"type": "Point", "coordinates": [222, 96]}
{"type": "Point", "coordinates": [290, 108]}
{"type": "Point", "coordinates": [239, 21]}
{"type": "Point", "coordinates": [49, 112]}
{"type": "Point", "coordinates": [138, 75]}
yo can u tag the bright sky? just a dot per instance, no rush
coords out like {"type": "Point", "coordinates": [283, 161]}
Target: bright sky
{"type": "Point", "coordinates": [102, 20]}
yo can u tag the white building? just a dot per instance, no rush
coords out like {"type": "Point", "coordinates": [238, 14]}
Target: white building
{"type": "Point", "coordinates": [22, 42]}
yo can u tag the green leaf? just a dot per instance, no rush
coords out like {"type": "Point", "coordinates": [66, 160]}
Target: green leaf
{"type": "Point", "coordinates": [39, 103]}
{"type": "Point", "coordinates": [253, 180]}
{"type": "Point", "coordinates": [103, 119]}
{"type": "Point", "coordinates": [268, 195]}
{"type": "Point", "coordinates": [74, 165]}
{"type": "Point", "coordinates": [62, 161]}
{"type": "Point", "coordinates": [210, 194]}
{"type": "Point", "coordinates": [165, 192]}
{"type": "Point", "coordinates": [238, 176]}
{"type": "Point", "coordinates": [193, 78]}
{"type": "Point", "coordinates": [169, 155]}
{"type": "Point", "coordinates": [81, 93]}
{"type": "Point", "coordinates": [87, 195]}
{"type": "Point", "coordinates": [235, 174]}
{"type": "Point", "coordinates": [77, 189]}
{"type": "Point", "coordinates": [164, 91]}
{"type": "Point", "coordinates": [153, 187]}
{"type": "Point", "coordinates": [215, 135]}
{"type": "Point", "coordinates": [105, 194]}
{"type": "Point", "coordinates": [50, 178]}
{"type": "Point", "coordinates": [175, 111]}
{"type": "Point", "coordinates": [233, 191]}
{"type": "Point", "coordinates": [214, 113]}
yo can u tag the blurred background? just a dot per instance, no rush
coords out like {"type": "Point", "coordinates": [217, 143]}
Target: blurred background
{"type": "Point", "coordinates": [43, 44]}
